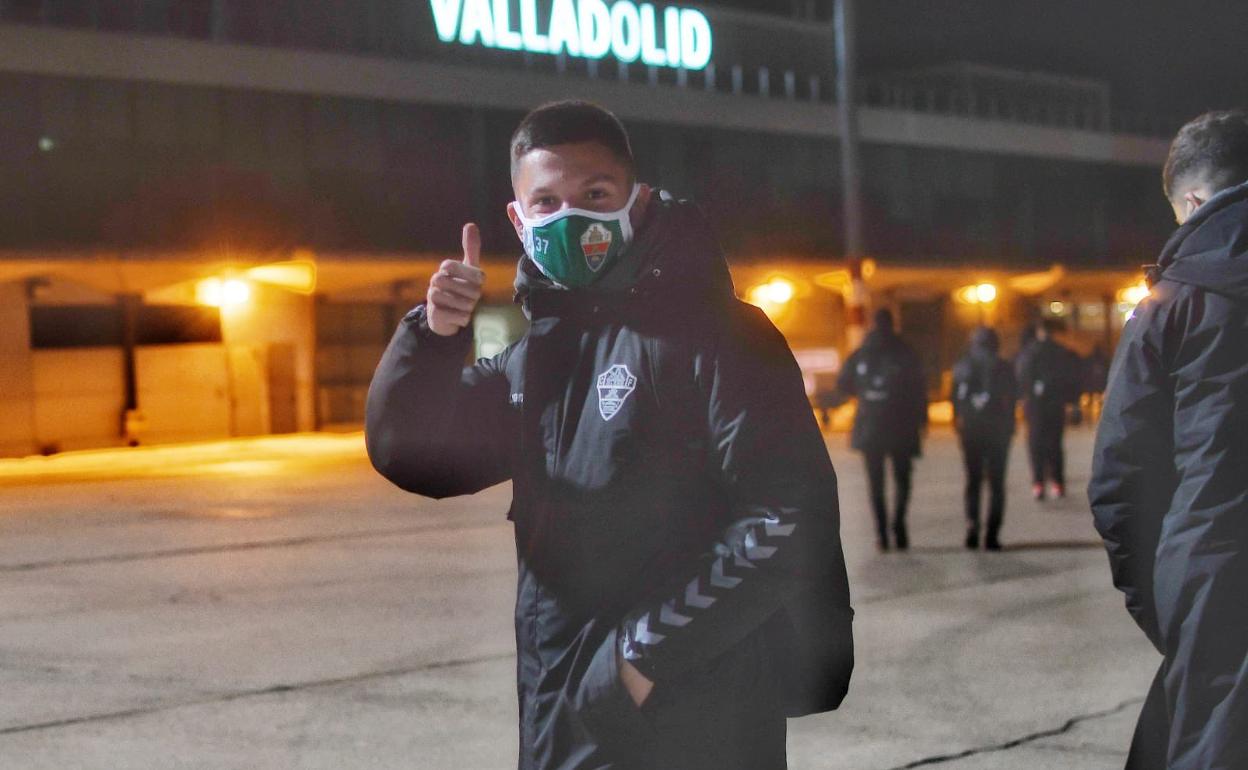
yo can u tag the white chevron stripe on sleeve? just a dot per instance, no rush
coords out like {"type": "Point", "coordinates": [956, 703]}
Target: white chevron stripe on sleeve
{"type": "Point", "coordinates": [780, 530]}
{"type": "Point", "coordinates": [644, 634]}
{"type": "Point", "coordinates": [669, 615]}
{"type": "Point", "coordinates": [756, 551]}
{"type": "Point", "coordinates": [695, 599]}
{"type": "Point", "coordinates": [719, 579]}
{"type": "Point", "coordinates": [741, 562]}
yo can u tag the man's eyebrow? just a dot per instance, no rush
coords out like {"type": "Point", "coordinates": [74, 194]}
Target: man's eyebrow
{"type": "Point", "coordinates": [596, 178]}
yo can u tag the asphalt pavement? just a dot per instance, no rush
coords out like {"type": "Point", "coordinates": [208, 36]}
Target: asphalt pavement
{"type": "Point", "coordinates": [272, 603]}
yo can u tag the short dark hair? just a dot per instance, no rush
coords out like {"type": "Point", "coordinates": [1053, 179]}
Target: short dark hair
{"type": "Point", "coordinates": [883, 319]}
{"type": "Point", "coordinates": [570, 122]}
{"type": "Point", "coordinates": [1212, 148]}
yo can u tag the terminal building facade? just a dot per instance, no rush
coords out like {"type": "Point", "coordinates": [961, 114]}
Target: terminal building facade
{"type": "Point", "coordinates": [217, 210]}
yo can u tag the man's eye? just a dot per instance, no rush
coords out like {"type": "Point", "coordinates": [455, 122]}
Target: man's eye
{"type": "Point", "coordinates": [597, 195]}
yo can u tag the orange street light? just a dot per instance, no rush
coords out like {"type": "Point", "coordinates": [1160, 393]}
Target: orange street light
{"type": "Point", "coordinates": [773, 297]}
{"type": "Point", "coordinates": [776, 292]}
{"type": "Point", "coordinates": [1131, 297]}
{"type": "Point", "coordinates": [222, 293]}
{"type": "Point", "coordinates": [977, 294]}
{"type": "Point", "coordinates": [1134, 295]}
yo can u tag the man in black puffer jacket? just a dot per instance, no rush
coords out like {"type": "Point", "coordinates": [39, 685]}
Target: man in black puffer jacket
{"type": "Point", "coordinates": [1169, 487]}
{"type": "Point", "coordinates": [682, 588]}
{"type": "Point", "coordinates": [1049, 376]}
{"type": "Point", "coordinates": [886, 377]}
{"type": "Point", "coordinates": [984, 394]}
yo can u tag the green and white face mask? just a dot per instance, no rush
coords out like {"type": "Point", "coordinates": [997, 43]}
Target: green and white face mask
{"type": "Point", "coordinates": [573, 247]}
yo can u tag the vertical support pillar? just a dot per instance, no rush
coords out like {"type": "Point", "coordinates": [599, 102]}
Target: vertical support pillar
{"type": "Point", "coordinates": [131, 418]}
{"type": "Point", "coordinates": [218, 25]}
{"type": "Point", "coordinates": [851, 182]}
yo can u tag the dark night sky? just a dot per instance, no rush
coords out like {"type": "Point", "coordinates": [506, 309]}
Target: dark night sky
{"type": "Point", "coordinates": [1170, 57]}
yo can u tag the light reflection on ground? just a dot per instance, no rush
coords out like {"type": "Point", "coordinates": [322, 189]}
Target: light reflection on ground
{"type": "Point", "coordinates": [242, 457]}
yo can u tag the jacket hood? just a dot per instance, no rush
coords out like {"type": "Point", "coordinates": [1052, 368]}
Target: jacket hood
{"type": "Point", "coordinates": [675, 249]}
{"type": "Point", "coordinates": [1210, 250]}
{"type": "Point", "coordinates": [985, 342]}
{"type": "Point", "coordinates": [880, 337]}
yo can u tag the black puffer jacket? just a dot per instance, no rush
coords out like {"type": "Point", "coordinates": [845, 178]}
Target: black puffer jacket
{"type": "Point", "coordinates": [674, 503]}
{"type": "Point", "coordinates": [1050, 376]}
{"type": "Point", "coordinates": [984, 392]}
{"type": "Point", "coordinates": [887, 378]}
{"type": "Point", "coordinates": [1169, 489]}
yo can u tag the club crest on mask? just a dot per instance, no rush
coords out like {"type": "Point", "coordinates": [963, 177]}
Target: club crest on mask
{"type": "Point", "coordinates": [596, 244]}
{"type": "Point", "coordinates": [615, 385]}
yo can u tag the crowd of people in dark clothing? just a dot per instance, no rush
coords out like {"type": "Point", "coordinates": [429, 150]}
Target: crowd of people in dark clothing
{"type": "Point", "coordinates": [886, 377]}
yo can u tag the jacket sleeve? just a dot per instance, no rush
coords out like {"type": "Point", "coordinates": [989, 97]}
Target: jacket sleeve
{"type": "Point", "coordinates": [434, 427]}
{"type": "Point", "coordinates": [1132, 471]}
{"type": "Point", "coordinates": [916, 385]}
{"type": "Point", "coordinates": [1074, 377]}
{"type": "Point", "coordinates": [1023, 372]}
{"type": "Point", "coordinates": [1009, 396]}
{"type": "Point", "coordinates": [782, 542]}
{"type": "Point", "coordinates": [960, 375]}
{"type": "Point", "coordinates": [847, 379]}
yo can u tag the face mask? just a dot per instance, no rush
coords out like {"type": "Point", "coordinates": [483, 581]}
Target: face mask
{"type": "Point", "coordinates": [574, 247]}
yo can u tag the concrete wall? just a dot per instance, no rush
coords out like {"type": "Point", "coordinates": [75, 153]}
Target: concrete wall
{"type": "Point", "coordinates": [184, 392]}
{"type": "Point", "coordinates": [275, 317]}
{"type": "Point", "coordinates": [17, 385]}
{"type": "Point", "coordinates": [78, 398]}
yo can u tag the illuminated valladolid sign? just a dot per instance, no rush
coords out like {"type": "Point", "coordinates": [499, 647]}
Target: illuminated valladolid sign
{"type": "Point", "coordinates": [591, 29]}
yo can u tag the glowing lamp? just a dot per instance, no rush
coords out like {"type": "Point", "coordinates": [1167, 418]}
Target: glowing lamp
{"type": "Point", "coordinates": [217, 292]}
{"type": "Point", "coordinates": [777, 291]}
{"type": "Point", "coordinates": [296, 275]}
{"type": "Point", "coordinates": [977, 294]}
{"type": "Point", "coordinates": [1134, 295]}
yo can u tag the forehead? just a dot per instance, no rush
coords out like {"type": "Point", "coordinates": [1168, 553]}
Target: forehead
{"type": "Point", "coordinates": [570, 164]}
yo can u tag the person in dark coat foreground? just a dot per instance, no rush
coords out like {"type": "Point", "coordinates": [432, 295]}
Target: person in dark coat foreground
{"type": "Point", "coordinates": [1050, 377]}
{"type": "Point", "coordinates": [984, 394]}
{"type": "Point", "coordinates": [1169, 488]}
{"type": "Point", "coordinates": [682, 588]}
{"type": "Point", "coordinates": [886, 377]}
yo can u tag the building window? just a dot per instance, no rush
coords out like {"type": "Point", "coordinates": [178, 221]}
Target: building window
{"type": "Point", "coordinates": [92, 326]}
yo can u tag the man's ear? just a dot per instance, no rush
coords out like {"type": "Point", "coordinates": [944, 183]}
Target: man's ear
{"type": "Point", "coordinates": [1193, 202]}
{"type": "Point", "coordinates": [513, 213]}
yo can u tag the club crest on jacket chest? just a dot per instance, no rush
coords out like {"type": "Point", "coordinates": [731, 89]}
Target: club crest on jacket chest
{"type": "Point", "coordinates": [615, 385]}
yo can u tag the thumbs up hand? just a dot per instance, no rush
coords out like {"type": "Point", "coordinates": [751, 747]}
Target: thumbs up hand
{"type": "Point", "coordinates": [456, 288]}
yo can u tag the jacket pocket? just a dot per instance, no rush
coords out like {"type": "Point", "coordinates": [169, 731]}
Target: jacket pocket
{"type": "Point", "coordinates": [605, 707]}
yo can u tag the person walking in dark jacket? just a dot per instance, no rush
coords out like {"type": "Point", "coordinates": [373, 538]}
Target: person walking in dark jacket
{"type": "Point", "coordinates": [1049, 379]}
{"type": "Point", "coordinates": [1095, 379]}
{"type": "Point", "coordinates": [887, 378]}
{"type": "Point", "coordinates": [984, 394]}
{"type": "Point", "coordinates": [682, 588]}
{"type": "Point", "coordinates": [1169, 488]}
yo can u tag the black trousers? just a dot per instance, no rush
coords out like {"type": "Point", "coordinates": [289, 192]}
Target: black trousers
{"type": "Point", "coordinates": [1044, 441]}
{"type": "Point", "coordinates": [902, 469]}
{"type": "Point", "coordinates": [985, 457]}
